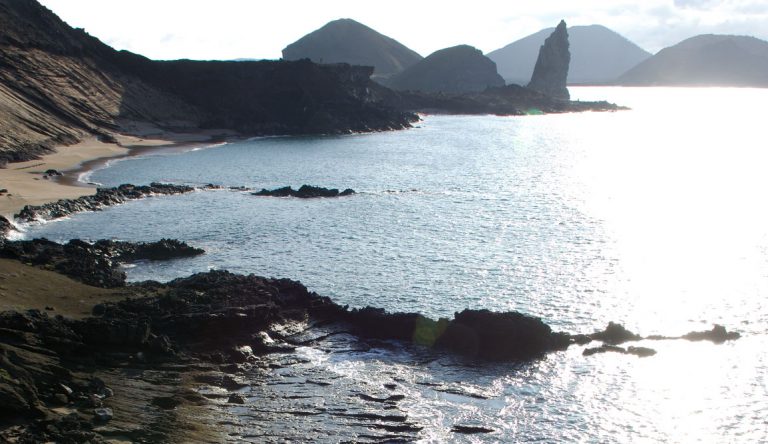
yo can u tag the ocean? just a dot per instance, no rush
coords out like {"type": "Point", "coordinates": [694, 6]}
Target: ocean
{"type": "Point", "coordinates": [653, 217]}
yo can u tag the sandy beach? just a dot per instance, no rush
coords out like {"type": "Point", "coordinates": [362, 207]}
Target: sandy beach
{"type": "Point", "coordinates": [27, 184]}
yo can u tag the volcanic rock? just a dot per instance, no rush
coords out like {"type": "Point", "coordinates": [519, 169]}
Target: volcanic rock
{"type": "Point", "coordinates": [305, 192]}
{"type": "Point", "coordinates": [551, 71]}
{"type": "Point", "coordinates": [465, 429]}
{"type": "Point", "coordinates": [236, 398]}
{"type": "Point", "coordinates": [615, 334]}
{"type": "Point", "coordinates": [598, 55]}
{"type": "Point", "coordinates": [104, 197]}
{"type": "Point", "coordinates": [94, 264]}
{"type": "Point", "coordinates": [718, 335]}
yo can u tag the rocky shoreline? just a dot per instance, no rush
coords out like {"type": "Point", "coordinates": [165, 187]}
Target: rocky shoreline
{"type": "Point", "coordinates": [104, 197]}
{"type": "Point", "coordinates": [216, 329]}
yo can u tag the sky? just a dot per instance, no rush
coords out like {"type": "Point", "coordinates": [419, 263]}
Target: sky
{"type": "Point", "coordinates": [231, 29]}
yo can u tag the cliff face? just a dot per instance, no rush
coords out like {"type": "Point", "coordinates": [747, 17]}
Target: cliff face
{"type": "Point", "coordinates": [58, 84]}
{"type": "Point", "coordinates": [551, 71]}
{"type": "Point", "coordinates": [271, 97]}
{"type": "Point", "coordinates": [347, 41]}
{"type": "Point", "coordinates": [458, 69]}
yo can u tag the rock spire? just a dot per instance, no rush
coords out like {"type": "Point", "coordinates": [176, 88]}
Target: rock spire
{"type": "Point", "coordinates": [551, 71]}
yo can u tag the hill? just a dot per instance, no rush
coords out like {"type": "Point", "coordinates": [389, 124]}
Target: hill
{"type": "Point", "coordinates": [705, 60]}
{"type": "Point", "coordinates": [58, 84]}
{"type": "Point", "coordinates": [347, 41]}
{"type": "Point", "coordinates": [458, 69]}
{"type": "Point", "coordinates": [598, 55]}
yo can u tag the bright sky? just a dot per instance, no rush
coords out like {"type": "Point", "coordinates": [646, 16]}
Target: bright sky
{"type": "Point", "coordinates": [229, 29]}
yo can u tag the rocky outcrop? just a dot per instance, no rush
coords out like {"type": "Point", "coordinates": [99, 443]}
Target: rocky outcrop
{"type": "Point", "coordinates": [615, 334]}
{"type": "Point", "coordinates": [94, 264]}
{"type": "Point", "coordinates": [5, 228]}
{"type": "Point", "coordinates": [718, 335]}
{"type": "Point", "coordinates": [459, 69]}
{"type": "Point", "coordinates": [551, 71]}
{"type": "Point", "coordinates": [476, 333]}
{"type": "Point", "coordinates": [305, 192]}
{"type": "Point", "coordinates": [510, 100]}
{"type": "Point", "coordinates": [347, 41]}
{"type": "Point", "coordinates": [642, 352]}
{"type": "Point", "coordinates": [104, 197]}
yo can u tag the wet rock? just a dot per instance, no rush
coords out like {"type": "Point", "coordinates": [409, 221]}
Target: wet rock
{"type": "Point", "coordinates": [65, 390]}
{"type": "Point", "coordinates": [233, 368]}
{"type": "Point", "coordinates": [718, 335]}
{"type": "Point", "coordinates": [103, 414]}
{"type": "Point", "coordinates": [603, 349]}
{"type": "Point", "coordinates": [164, 249]}
{"type": "Point", "coordinates": [161, 344]}
{"type": "Point", "coordinates": [581, 339]}
{"type": "Point", "coordinates": [241, 354]}
{"type": "Point", "coordinates": [166, 402]}
{"type": "Point", "coordinates": [5, 228]}
{"type": "Point", "coordinates": [104, 197]}
{"type": "Point", "coordinates": [236, 398]}
{"type": "Point", "coordinates": [642, 352]}
{"type": "Point", "coordinates": [52, 172]}
{"type": "Point", "coordinates": [305, 192]}
{"type": "Point", "coordinates": [615, 334]}
{"type": "Point", "coordinates": [551, 71]}
{"type": "Point", "coordinates": [500, 336]}
{"type": "Point", "coordinates": [475, 333]}
{"type": "Point", "coordinates": [465, 429]}
{"type": "Point", "coordinates": [388, 399]}
{"type": "Point", "coordinates": [222, 380]}
{"type": "Point", "coordinates": [94, 264]}
{"type": "Point", "coordinates": [67, 429]}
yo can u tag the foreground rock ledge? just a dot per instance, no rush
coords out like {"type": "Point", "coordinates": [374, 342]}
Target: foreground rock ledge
{"type": "Point", "coordinates": [224, 320]}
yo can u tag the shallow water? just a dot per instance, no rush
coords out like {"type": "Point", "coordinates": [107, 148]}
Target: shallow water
{"type": "Point", "coordinates": [653, 217]}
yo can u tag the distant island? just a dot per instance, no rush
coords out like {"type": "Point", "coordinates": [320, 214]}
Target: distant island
{"type": "Point", "coordinates": [347, 41]}
{"type": "Point", "coordinates": [705, 60]}
{"type": "Point", "coordinates": [454, 70]}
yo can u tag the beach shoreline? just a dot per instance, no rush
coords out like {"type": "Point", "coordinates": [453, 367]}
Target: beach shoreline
{"type": "Point", "coordinates": [26, 183]}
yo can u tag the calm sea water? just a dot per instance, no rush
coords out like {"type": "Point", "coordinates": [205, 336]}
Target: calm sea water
{"type": "Point", "coordinates": [654, 217]}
